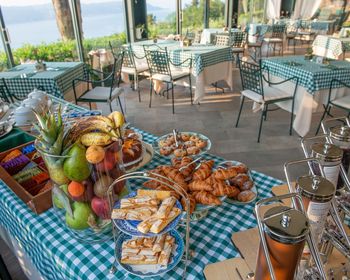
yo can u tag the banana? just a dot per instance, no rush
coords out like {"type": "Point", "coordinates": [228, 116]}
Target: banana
{"type": "Point", "coordinates": [118, 118]}
{"type": "Point", "coordinates": [105, 119]}
{"type": "Point", "coordinates": [96, 138]}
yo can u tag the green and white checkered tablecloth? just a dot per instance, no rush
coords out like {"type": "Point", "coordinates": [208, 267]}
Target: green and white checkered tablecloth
{"type": "Point", "coordinates": [331, 44]}
{"type": "Point", "coordinates": [56, 80]}
{"type": "Point", "coordinates": [57, 255]}
{"type": "Point", "coordinates": [312, 76]}
{"type": "Point", "coordinates": [202, 55]}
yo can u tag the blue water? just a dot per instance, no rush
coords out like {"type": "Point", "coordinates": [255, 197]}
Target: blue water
{"type": "Point", "coordinates": [36, 32]}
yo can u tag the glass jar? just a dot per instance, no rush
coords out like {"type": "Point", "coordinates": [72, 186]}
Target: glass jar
{"type": "Point", "coordinates": [80, 183]}
{"type": "Point", "coordinates": [285, 230]}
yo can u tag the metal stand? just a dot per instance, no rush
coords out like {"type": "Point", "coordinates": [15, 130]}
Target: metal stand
{"type": "Point", "coordinates": [165, 181]}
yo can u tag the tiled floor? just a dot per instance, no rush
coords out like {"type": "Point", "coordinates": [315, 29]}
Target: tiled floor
{"type": "Point", "coordinates": [215, 117]}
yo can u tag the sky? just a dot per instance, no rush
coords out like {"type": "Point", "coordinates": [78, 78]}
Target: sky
{"type": "Point", "coordinates": [159, 3]}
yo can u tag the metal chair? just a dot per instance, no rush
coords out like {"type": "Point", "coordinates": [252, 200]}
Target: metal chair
{"type": "Point", "coordinates": [164, 70]}
{"type": "Point", "coordinates": [276, 38]}
{"type": "Point", "coordinates": [255, 47]}
{"type": "Point", "coordinates": [253, 88]}
{"type": "Point", "coordinates": [341, 102]}
{"type": "Point", "coordinates": [103, 90]}
{"type": "Point", "coordinates": [130, 67]}
{"type": "Point", "coordinates": [5, 93]}
{"type": "Point", "coordinates": [222, 40]}
{"type": "Point", "coordinates": [291, 33]}
{"type": "Point", "coordinates": [197, 37]}
{"type": "Point", "coordinates": [238, 44]}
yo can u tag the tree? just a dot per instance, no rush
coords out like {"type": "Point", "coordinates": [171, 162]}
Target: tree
{"type": "Point", "coordinates": [64, 18]}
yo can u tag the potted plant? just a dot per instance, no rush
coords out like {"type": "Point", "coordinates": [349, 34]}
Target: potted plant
{"type": "Point", "coordinates": [308, 54]}
{"type": "Point", "coordinates": [39, 65]}
{"type": "Point", "coordinates": [139, 31]}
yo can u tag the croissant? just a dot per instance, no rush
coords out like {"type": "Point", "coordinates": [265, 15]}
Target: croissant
{"type": "Point", "coordinates": [206, 198]}
{"type": "Point", "coordinates": [189, 169]}
{"type": "Point", "coordinates": [199, 185]}
{"type": "Point", "coordinates": [176, 162]}
{"type": "Point", "coordinates": [242, 168]}
{"type": "Point", "coordinates": [151, 184]}
{"type": "Point", "coordinates": [174, 174]}
{"type": "Point", "coordinates": [204, 170]}
{"type": "Point", "coordinates": [239, 180]}
{"type": "Point", "coordinates": [223, 174]}
{"type": "Point", "coordinates": [192, 203]}
{"type": "Point", "coordinates": [223, 189]}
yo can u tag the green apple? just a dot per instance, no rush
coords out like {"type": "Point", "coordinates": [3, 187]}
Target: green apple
{"type": "Point", "coordinates": [81, 213]}
{"type": "Point", "coordinates": [56, 201]}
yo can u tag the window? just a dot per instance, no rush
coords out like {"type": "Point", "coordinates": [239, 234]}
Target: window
{"type": "Point", "coordinates": [161, 18]}
{"type": "Point", "coordinates": [34, 32]}
{"type": "Point", "coordinates": [3, 58]}
{"type": "Point", "coordinates": [257, 10]}
{"type": "Point", "coordinates": [244, 15]}
{"type": "Point", "coordinates": [217, 13]}
{"type": "Point", "coordinates": [192, 15]}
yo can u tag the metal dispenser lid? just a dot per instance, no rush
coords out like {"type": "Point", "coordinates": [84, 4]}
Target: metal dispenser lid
{"type": "Point", "coordinates": [341, 133]}
{"type": "Point", "coordinates": [327, 151]}
{"type": "Point", "coordinates": [316, 188]}
{"type": "Point", "coordinates": [286, 225]}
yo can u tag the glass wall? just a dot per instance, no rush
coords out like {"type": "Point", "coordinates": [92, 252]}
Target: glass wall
{"type": "Point", "coordinates": [257, 10]}
{"type": "Point", "coordinates": [34, 32]}
{"type": "Point", "coordinates": [192, 15]}
{"type": "Point", "coordinates": [217, 13]}
{"type": "Point", "coordinates": [3, 59]}
{"type": "Point", "coordinates": [161, 18]}
{"type": "Point", "coordinates": [244, 15]}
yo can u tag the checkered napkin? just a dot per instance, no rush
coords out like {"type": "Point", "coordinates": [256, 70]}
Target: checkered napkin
{"type": "Point", "coordinates": [57, 255]}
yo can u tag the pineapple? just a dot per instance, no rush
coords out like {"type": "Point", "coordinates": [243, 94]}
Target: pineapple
{"type": "Point", "coordinates": [50, 143]}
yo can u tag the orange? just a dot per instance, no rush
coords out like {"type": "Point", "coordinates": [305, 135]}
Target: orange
{"type": "Point", "coordinates": [76, 189]}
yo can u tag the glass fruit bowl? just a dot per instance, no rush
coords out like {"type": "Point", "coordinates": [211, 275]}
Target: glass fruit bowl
{"type": "Point", "coordinates": [80, 182]}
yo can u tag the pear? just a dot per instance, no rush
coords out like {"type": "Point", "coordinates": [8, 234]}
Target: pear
{"type": "Point", "coordinates": [76, 167]}
{"type": "Point", "coordinates": [118, 118]}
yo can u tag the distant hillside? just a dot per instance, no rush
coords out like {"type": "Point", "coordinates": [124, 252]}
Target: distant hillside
{"type": "Point", "coordinates": [21, 14]}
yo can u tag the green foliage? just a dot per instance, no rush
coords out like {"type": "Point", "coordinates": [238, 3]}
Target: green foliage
{"type": "Point", "coordinates": [59, 51]}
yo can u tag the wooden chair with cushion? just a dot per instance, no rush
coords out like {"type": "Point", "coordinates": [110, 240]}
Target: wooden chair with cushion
{"type": "Point", "coordinates": [103, 90]}
{"type": "Point", "coordinates": [276, 38]}
{"type": "Point", "coordinates": [163, 69]}
{"type": "Point", "coordinates": [341, 102]}
{"type": "Point", "coordinates": [254, 89]}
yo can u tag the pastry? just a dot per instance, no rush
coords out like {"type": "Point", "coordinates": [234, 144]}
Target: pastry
{"type": "Point", "coordinates": [139, 201]}
{"type": "Point", "coordinates": [175, 175]}
{"type": "Point", "coordinates": [192, 203]}
{"type": "Point", "coordinates": [223, 189]}
{"type": "Point", "coordinates": [241, 168]}
{"type": "Point", "coordinates": [239, 180]}
{"type": "Point", "coordinates": [159, 243]}
{"type": "Point", "coordinates": [224, 174]}
{"type": "Point", "coordinates": [199, 185]}
{"type": "Point", "coordinates": [165, 207]}
{"type": "Point", "coordinates": [194, 138]}
{"type": "Point", "coordinates": [164, 256]}
{"type": "Point", "coordinates": [137, 214]}
{"type": "Point", "coordinates": [165, 150]}
{"type": "Point", "coordinates": [206, 198]}
{"type": "Point", "coordinates": [185, 137]}
{"type": "Point", "coordinates": [132, 151]}
{"type": "Point", "coordinates": [193, 150]}
{"type": "Point", "coordinates": [161, 195]}
{"type": "Point", "coordinates": [201, 144]}
{"type": "Point", "coordinates": [247, 185]}
{"type": "Point", "coordinates": [204, 170]}
{"type": "Point", "coordinates": [160, 224]}
{"type": "Point", "coordinates": [180, 152]}
{"type": "Point", "coordinates": [246, 196]}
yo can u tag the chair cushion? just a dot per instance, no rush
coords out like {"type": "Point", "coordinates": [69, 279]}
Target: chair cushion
{"type": "Point", "coordinates": [237, 50]}
{"type": "Point", "coordinates": [101, 94]}
{"type": "Point", "coordinates": [254, 45]}
{"type": "Point", "coordinates": [176, 75]}
{"type": "Point", "coordinates": [139, 68]}
{"type": "Point", "coordinates": [273, 40]}
{"type": "Point", "coordinates": [270, 94]}
{"type": "Point", "coordinates": [343, 102]}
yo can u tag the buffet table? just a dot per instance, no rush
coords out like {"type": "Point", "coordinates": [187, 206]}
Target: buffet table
{"type": "Point", "coordinates": [56, 80]}
{"type": "Point", "coordinates": [40, 239]}
{"type": "Point", "coordinates": [314, 82]}
{"type": "Point", "coordinates": [209, 63]}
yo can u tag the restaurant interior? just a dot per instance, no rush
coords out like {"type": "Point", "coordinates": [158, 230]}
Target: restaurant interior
{"type": "Point", "coordinates": [177, 139]}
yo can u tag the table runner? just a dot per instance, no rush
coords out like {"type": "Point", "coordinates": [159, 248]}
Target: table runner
{"type": "Point", "coordinates": [58, 256]}
{"type": "Point", "coordinates": [312, 76]}
{"type": "Point", "coordinates": [56, 80]}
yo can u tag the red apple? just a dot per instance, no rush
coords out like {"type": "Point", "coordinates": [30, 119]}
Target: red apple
{"type": "Point", "coordinates": [101, 207]}
{"type": "Point", "coordinates": [107, 164]}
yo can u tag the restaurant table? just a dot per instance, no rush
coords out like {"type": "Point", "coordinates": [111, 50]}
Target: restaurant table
{"type": "Point", "coordinates": [208, 34]}
{"type": "Point", "coordinates": [56, 80]}
{"type": "Point", "coordinates": [314, 83]}
{"type": "Point", "coordinates": [47, 250]}
{"type": "Point", "coordinates": [327, 46]}
{"type": "Point", "coordinates": [209, 63]}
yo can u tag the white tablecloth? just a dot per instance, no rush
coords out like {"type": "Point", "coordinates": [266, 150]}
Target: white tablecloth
{"type": "Point", "coordinates": [207, 33]}
{"type": "Point", "coordinates": [305, 103]}
{"type": "Point", "coordinates": [327, 46]}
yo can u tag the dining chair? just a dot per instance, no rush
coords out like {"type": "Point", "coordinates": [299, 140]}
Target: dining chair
{"type": "Point", "coordinates": [276, 38]}
{"type": "Point", "coordinates": [254, 89]}
{"type": "Point", "coordinates": [222, 40]}
{"type": "Point", "coordinates": [254, 48]}
{"type": "Point", "coordinates": [103, 90]}
{"type": "Point", "coordinates": [341, 102]}
{"type": "Point", "coordinates": [130, 67]}
{"type": "Point", "coordinates": [291, 33]}
{"type": "Point", "coordinates": [238, 40]}
{"type": "Point", "coordinates": [197, 37]}
{"type": "Point", "coordinates": [163, 69]}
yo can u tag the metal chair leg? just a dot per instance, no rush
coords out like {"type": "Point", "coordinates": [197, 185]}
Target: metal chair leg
{"type": "Point", "coordinates": [172, 97]}
{"type": "Point", "coordinates": [150, 94]}
{"type": "Point", "coordinates": [267, 108]}
{"type": "Point", "coordinates": [261, 121]}
{"type": "Point", "coordinates": [120, 104]}
{"type": "Point", "coordinates": [189, 77]}
{"type": "Point", "coordinates": [138, 90]}
{"type": "Point", "coordinates": [90, 105]}
{"type": "Point", "coordinates": [110, 106]}
{"type": "Point", "coordinates": [323, 115]}
{"type": "Point", "coordinates": [240, 109]}
{"type": "Point", "coordinates": [291, 118]}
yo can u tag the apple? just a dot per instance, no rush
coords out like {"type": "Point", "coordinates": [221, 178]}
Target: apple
{"type": "Point", "coordinates": [81, 213]}
{"type": "Point", "coordinates": [107, 164]}
{"type": "Point", "coordinates": [101, 207]}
